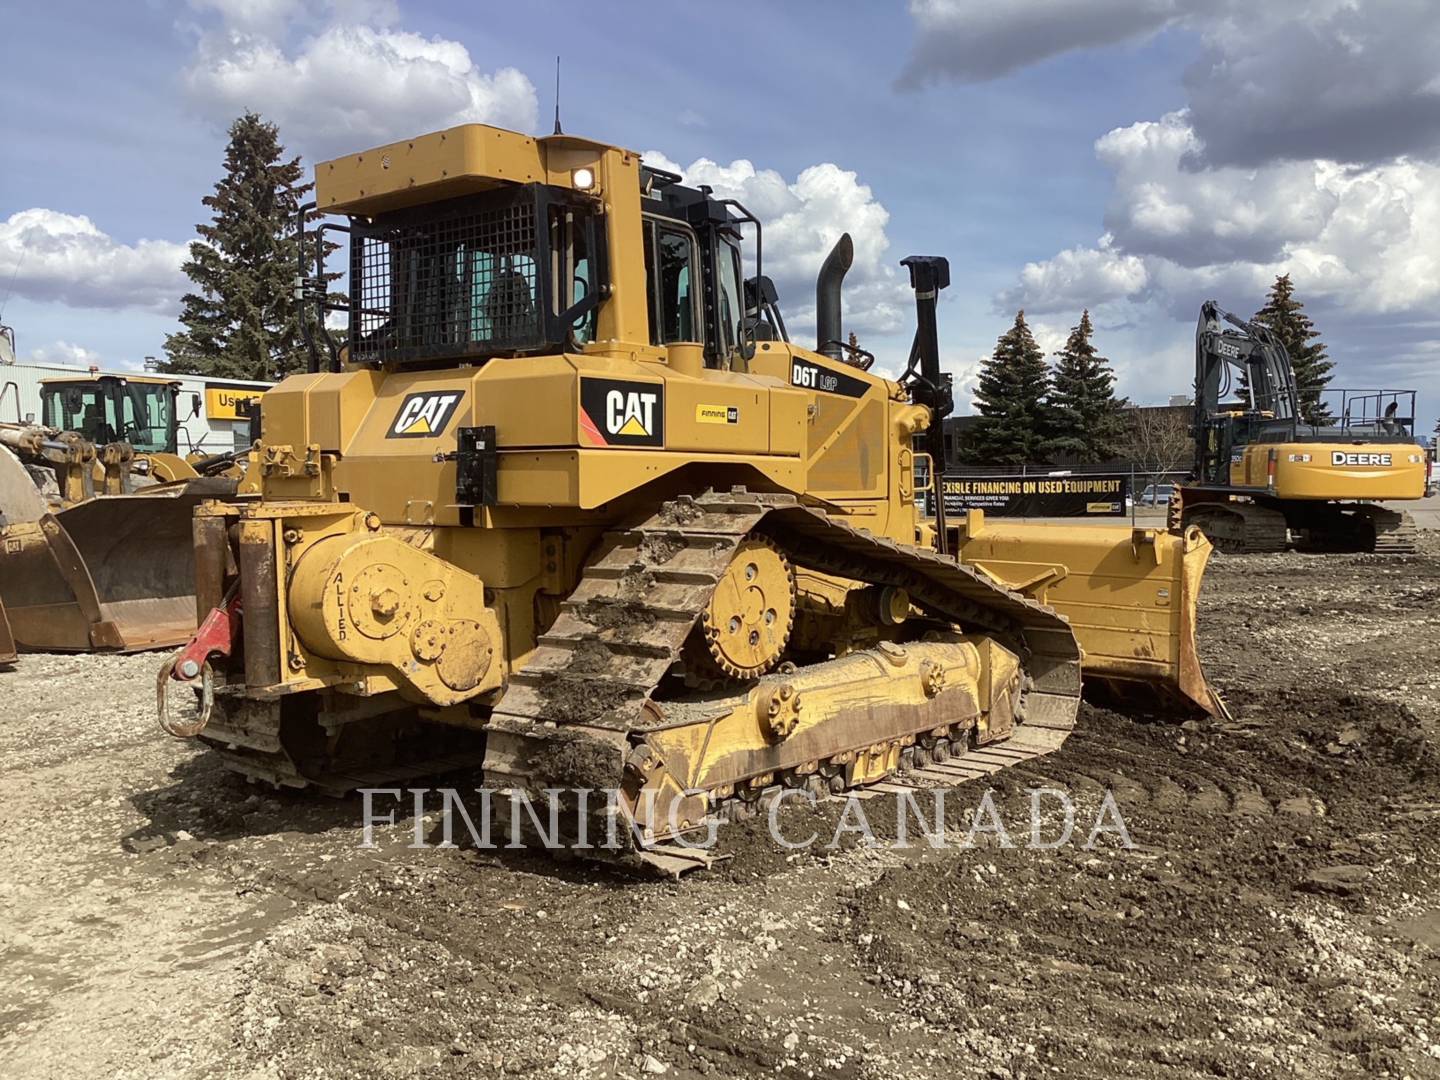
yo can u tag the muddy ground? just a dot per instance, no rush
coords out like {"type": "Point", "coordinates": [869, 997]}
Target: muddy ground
{"type": "Point", "coordinates": [1277, 915]}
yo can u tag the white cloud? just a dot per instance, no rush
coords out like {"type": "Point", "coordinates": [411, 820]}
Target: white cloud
{"type": "Point", "coordinates": [1309, 144]}
{"type": "Point", "coordinates": [1198, 217]}
{"type": "Point", "coordinates": [1078, 278]}
{"type": "Point", "coordinates": [253, 16]}
{"type": "Point", "coordinates": [1360, 239]}
{"type": "Point", "coordinates": [349, 84]}
{"type": "Point", "coordinates": [64, 352]}
{"type": "Point", "coordinates": [66, 259]}
{"type": "Point", "coordinates": [802, 220]}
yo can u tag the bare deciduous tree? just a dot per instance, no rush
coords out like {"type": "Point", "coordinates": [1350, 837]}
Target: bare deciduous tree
{"type": "Point", "coordinates": [1159, 440]}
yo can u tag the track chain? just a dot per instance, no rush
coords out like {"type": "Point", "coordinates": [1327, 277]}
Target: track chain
{"type": "Point", "coordinates": [1395, 531]}
{"type": "Point", "coordinates": [596, 671]}
{"type": "Point", "coordinates": [1240, 528]}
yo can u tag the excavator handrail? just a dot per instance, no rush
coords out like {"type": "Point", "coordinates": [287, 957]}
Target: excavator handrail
{"type": "Point", "coordinates": [11, 384]}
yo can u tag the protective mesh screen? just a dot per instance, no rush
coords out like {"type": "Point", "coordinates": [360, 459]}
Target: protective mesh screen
{"type": "Point", "coordinates": [463, 283]}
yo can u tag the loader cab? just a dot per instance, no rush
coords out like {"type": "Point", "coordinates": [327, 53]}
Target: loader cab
{"type": "Point", "coordinates": [105, 409]}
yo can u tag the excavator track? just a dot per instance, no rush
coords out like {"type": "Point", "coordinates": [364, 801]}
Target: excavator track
{"type": "Point", "coordinates": [1365, 528]}
{"type": "Point", "coordinates": [1237, 528]}
{"type": "Point", "coordinates": [1395, 531]}
{"type": "Point", "coordinates": [580, 712]}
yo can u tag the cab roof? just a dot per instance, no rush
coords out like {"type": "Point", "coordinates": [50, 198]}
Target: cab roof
{"type": "Point", "coordinates": [152, 380]}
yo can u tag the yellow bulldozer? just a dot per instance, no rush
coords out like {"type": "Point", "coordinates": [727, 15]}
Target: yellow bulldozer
{"type": "Point", "coordinates": [95, 508]}
{"type": "Point", "coordinates": [571, 504]}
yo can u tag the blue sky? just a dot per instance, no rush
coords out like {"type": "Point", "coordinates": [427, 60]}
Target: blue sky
{"type": "Point", "coordinates": [1135, 156]}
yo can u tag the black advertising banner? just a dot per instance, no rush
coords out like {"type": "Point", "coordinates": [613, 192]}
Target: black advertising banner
{"type": "Point", "coordinates": [1098, 495]}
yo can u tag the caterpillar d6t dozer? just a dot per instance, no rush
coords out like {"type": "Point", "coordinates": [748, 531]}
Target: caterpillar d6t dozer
{"type": "Point", "coordinates": [572, 500]}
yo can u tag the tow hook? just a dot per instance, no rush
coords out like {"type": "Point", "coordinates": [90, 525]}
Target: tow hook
{"type": "Point", "coordinates": [191, 664]}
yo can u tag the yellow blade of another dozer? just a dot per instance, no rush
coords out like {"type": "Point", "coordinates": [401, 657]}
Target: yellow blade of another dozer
{"type": "Point", "coordinates": [1130, 595]}
{"type": "Point", "coordinates": [113, 573]}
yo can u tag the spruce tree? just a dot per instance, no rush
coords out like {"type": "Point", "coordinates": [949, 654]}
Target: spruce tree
{"type": "Point", "coordinates": [240, 322]}
{"type": "Point", "coordinates": [1085, 416]}
{"type": "Point", "coordinates": [1014, 419]}
{"type": "Point", "coordinates": [1285, 315]}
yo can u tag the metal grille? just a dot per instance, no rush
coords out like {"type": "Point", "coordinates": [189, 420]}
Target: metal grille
{"type": "Point", "coordinates": [456, 284]}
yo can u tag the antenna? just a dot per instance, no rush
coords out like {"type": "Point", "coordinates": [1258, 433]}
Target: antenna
{"type": "Point", "coordinates": [557, 97]}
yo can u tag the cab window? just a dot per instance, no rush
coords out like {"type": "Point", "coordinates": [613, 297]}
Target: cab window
{"type": "Point", "coordinates": [727, 278]}
{"type": "Point", "coordinates": [573, 266]}
{"type": "Point", "coordinates": [670, 269]}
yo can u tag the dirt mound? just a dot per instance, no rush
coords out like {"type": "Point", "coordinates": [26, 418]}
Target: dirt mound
{"type": "Point", "coordinates": [1196, 951]}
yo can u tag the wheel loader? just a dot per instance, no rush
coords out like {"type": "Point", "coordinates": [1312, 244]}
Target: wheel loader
{"type": "Point", "coordinates": [141, 412]}
{"type": "Point", "coordinates": [571, 505]}
{"type": "Point", "coordinates": [1266, 475]}
{"type": "Point", "coordinates": [92, 554]}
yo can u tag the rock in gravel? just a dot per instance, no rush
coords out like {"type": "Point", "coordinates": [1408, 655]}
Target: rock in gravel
{"type": "Point", "coordinates": [1345, 879]}
{"type": "Point", "coordinates": [654, 1065]}
{"type": "Point", "coordinates": [705, 993]}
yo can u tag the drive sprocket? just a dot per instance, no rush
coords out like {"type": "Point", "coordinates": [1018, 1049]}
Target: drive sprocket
{"type": "Point", "coordinates": [746, 625]}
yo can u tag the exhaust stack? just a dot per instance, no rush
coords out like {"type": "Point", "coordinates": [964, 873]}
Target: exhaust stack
{"type": "Point", "coordinates": [827, 296]}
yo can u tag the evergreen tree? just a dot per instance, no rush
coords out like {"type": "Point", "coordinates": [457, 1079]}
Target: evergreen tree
{"type": "Point", "coordinates": [1285, 315]}
{"type": "Point", "coordinates": [1085, 416]}
{"type": "Point", "coordinates": [1014, 419]}
{"type": "Point", "coordinates": [241, 322]}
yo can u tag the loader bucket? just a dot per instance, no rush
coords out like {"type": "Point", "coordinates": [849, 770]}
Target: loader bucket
{"type": "Point", "coordinates": [114, 573]}
{"type": "Point", "coordinates": [7, 640]}
{"type": "Point", "coordinates": [1130, 596]}
{"type": "Point", "coordinates": [20, 499]}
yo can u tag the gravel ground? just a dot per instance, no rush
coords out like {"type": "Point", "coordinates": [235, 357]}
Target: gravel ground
{"type": "Point", "coordinates": [1276, 916]}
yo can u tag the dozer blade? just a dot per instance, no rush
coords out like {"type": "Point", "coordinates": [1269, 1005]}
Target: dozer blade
{"type": "Point", "coordinates": [114, 573]}
{"type": "Point", "coordinates": [1130, 596]}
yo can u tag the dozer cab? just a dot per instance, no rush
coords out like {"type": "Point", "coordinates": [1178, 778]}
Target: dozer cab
{"type": "Point", "coordinates": [571, 504]}
{"type": "Point", "coordinates": [1269, 472]}
{"type": "Point", "coordinates": [93, 553]}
